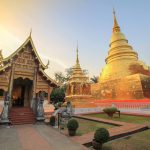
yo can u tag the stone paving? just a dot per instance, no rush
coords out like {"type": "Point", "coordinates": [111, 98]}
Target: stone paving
{"type": "Point", "coordinates": [35, 137]}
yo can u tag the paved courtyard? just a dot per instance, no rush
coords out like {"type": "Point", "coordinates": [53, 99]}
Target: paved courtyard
{"type": "Point", "coordinates": [35, 137]}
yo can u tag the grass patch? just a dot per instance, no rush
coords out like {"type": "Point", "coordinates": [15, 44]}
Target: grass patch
{"type": "Point", "coordinates": [138, 141]}
{"type": "Point", "coordinates": [124, 118]}
{"type": "Point", "coordinates": [86, 126]}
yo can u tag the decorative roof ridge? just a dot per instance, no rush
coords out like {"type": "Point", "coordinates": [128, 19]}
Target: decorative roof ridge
{"type": "Point", "coordinates": [4, 67]}
{"type": "Point", "coordinates": [52, 80]}
{"type": "Point", "coordinates": [22, 46]}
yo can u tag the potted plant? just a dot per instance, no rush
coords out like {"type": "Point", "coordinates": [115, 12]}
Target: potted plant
{"type": "Point", "coordinates": [52, 121]}
{"type": "Point", "coordinates": [110, 111]}
{"type": "Point", "coordinates": [101, 136]}
{"type": "Point", "coordinates": [72, 126]}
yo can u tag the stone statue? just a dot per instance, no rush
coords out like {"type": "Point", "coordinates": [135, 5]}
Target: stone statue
{"type": "Point", "coordinates": [40, 109]}
{"type": "Point", "coordinates": [67, 112]}
{"type": "Point", "coordinates": [33, 104]}
{"type": "Point", "coordinates": [5, 112]}
{"type": "Point", "coordinates": [65, 115]}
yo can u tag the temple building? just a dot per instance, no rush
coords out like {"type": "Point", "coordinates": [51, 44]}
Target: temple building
{"type": "Point", "coordinates": [22, 76]}
{"type": "Point", "coordinates": [78, 87]}
{"type": "Point", "coordinates": [124, 76]}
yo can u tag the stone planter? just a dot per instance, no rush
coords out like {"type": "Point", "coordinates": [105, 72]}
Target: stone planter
{"type": "Point", "coordinates": [110, 114]}
{"type": "Point", "coordinates": [72, 132]}
{"type": "Point", "coordinates": [97, 145]}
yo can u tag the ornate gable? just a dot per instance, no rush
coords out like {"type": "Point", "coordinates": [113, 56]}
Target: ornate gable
{"type": "Point", "coordinates": [28, 42]}
{"type": "Point", "coordinates": [25, 60]}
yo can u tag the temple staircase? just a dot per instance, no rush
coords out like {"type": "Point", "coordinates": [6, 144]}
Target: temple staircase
{"type": "Point", "coordinates": [21, 115]}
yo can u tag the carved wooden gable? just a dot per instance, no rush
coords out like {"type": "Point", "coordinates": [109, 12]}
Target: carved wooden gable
{"type": "Point", "coordinates": [25, 63]}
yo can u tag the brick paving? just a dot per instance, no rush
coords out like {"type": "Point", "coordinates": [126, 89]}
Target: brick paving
{"type": "Point", "coordinates": [31, 140]}
{"type": "Point", "coordinates": [121, 129]}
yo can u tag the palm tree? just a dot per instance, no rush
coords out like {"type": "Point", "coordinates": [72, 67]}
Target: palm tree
{"type": "Point", "coordinates": [94, 79]}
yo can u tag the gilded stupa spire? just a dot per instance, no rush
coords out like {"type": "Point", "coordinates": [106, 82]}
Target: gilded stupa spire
{"type": "Point", "coordinates": [77, 58]}
{"type": "Point", "coordinates": [120, 56]}
{"type": "Point", "coordinates": [77, 72]}
{"type": "Point", "coordinates": [116, 27]}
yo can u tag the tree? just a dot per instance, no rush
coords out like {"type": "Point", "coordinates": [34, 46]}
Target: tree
{"type": "Point", "coordinates": [57, 95]}
{"type": "Point", "coordinates": [94, 79]}
{"type": "Point", "coordinates": [60, 78]}
{"type": "Point", "coordinates": [69, 72]}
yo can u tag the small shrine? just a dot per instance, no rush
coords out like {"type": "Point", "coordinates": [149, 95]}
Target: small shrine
{"type": "Point", "coordinates": [79, 87]}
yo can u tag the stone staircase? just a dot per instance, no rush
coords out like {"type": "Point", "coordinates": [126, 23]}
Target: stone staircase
{"type": "Point", "coordinates": [21, 115]}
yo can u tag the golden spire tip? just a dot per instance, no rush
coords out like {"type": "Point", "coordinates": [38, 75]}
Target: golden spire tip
{"type": "Point", "coordinates": [114, 11]}
{"type": "Point", "coordinates": [30, 31]}
{"type": "Point", "coordinates": [116, 27]}
{"type": "Point", "coordinates": [77, 61]}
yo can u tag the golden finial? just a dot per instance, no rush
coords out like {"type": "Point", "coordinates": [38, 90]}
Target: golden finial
{"type": "Point", "coordinates": [77, 61]}
{"type": "Point", "coordinates": [116, 27]}
{"type": "Point", "coordinates": [1, 55]}
{"type": "Point", "coordinates": [30, 31]}
{"type": "Point", "coordinates": [47, 64]}
{"type": "Point", "coordinates": [114, 11]}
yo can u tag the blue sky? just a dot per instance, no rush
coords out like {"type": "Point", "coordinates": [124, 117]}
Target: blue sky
{"type": "Point", "coordinates": [58, 24]}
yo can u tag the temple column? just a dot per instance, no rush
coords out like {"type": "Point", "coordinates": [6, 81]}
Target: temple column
{"type": "Point", "coordinates": [49, 93]}
{"type": "Point", "coordinates": [81, 89]}
{"type": "Point", "coordinates": [11, 81]}
{"type": "Point", "coordinates": [33, 100]}
{"type": "Point", "coordinates": [72, 89]}
{"type": "Point", "coordinates": [34, 82]}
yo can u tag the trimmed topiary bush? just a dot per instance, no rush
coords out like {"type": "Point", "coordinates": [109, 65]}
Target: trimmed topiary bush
{"type": "Point", "coordinates": [72, 126]}
{"type": "Point", "coordinates": [101, 136]}
{"type": "Point", "coordinates": [110, 111]}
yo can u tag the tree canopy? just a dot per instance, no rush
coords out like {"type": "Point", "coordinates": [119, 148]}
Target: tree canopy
{"type": "Point", "coordinates": [94, 79]}
{"type": "Point", "coordinates": [57, 95]}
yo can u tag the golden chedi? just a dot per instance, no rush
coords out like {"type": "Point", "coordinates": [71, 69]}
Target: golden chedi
{"type": "Point", "coordinates": [124, 76]}
{"type": "Point", "coordinates": [78, 87]}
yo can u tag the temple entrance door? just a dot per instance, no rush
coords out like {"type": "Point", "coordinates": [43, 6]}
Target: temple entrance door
{"type": "Point", "coordinates": [22, 92]}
